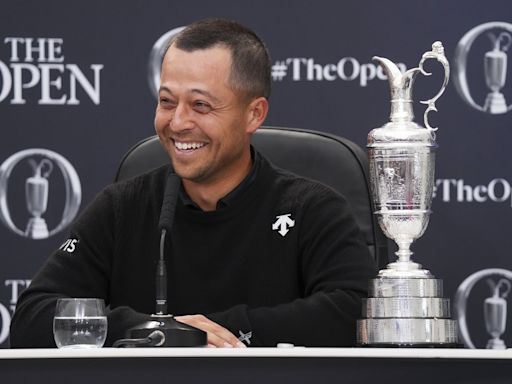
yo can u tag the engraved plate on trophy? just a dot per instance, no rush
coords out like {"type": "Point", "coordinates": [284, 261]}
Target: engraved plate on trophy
{"type": "Point", "coordinates": [36, 194]}
{"type": "Point", "coordinates": [405, 306]}
{"type": "Point", "coordinates": [495, 69]}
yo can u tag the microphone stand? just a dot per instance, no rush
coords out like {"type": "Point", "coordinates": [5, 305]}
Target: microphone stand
{"type": "Point", "coordinates": [163, 330]}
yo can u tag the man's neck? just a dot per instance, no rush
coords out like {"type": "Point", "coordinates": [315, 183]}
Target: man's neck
{"type": "Point", "coordinates": [207, 195]}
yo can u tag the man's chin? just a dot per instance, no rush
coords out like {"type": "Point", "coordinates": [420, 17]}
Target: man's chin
{"type": "Point", "coordinates": [189, 175]}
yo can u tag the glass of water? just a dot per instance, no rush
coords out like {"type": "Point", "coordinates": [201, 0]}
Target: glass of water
{"type": "Point", "coordinates": [80, 323]}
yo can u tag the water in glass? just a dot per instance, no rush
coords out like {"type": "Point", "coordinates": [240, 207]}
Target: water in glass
{"type": "Point", "coordinates": [80, 323]}
{"type": "Point", "coordinates": [82, 332]}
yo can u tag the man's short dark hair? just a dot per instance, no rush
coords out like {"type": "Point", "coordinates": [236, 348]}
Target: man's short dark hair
{"type": "Point", "coordinates": [250, 68]}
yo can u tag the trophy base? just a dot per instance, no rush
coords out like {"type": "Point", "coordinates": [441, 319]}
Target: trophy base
{"type": "Point", "coordinates": [417, 307]}
{"type": "Point", "coordinates": [418, 345]}
{"type": "Point", "coordinates": [36, 228]}
{"type": "Point", "coordinates": [396, 287]}
{"type": "Point", "coordinates": [405, 269]}
{"type": "Point", "coordinates": [406, 312]}
{"type": "Point", "coordinates": [495, 103]}
{"type": "Point", "coordinates": [406, 331]}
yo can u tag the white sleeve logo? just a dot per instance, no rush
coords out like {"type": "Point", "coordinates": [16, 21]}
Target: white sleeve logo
{"type": "Point", "coordinates": [69, 245]}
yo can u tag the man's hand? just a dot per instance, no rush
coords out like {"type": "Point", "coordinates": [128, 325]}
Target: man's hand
{"type": "Point", "coordinates": [218, 336]}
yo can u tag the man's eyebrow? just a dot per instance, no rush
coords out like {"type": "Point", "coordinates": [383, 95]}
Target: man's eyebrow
{"type": "Point", "coordinates": [164, 88]}
{"type": "Point", "coordinates": [205, 93]}
{"type": "Point", "coordinates": [192, 91]}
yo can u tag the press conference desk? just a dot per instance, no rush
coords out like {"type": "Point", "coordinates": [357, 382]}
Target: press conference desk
{"type": "Point", "coordinates": [257, 365]}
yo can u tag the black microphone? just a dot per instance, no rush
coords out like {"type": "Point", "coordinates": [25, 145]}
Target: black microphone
{"type": "Point", "coordinates": [172, 188]}
{"type": "Point", "coordinates": [165, 225]}
{"type": "Point", "coordinates": [163, 330]}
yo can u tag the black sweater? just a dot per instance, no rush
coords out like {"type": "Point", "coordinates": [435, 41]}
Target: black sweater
{"type": "Point", "coordinates": [230, 264]}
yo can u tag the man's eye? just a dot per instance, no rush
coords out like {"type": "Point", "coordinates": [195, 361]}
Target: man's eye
{"type": "Point", "coordinates": [164, 101]}
{"type": "Point", "coordinates": [202, 107]}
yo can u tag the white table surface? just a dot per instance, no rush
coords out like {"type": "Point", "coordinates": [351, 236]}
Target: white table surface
{"type": "Point", "coordinates": [403, 353]}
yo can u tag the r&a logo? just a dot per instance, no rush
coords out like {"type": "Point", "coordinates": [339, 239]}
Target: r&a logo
{"type": "Point", "coordinates": [37, 187]}
{"type": "Point", "coordinates": [156, 56]}
{"type": "Point", "coordinates": [494, 66]}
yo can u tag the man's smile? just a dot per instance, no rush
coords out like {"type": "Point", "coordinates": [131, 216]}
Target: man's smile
{"type": "Point", "coordinates": [188, 146]}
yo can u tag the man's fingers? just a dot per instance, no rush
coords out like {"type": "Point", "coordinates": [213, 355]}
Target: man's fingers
{"type": "Point", "coordinates": [218, 336]}
{"type": "Point", "coordinates": [223, 333]}
{"type": "Point", "coordinates": [217, 341]}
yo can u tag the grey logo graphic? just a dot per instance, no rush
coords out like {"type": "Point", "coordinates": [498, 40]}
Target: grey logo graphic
{"type": "Point", "coordinates": [36, 194]}
{"type": "Point", "coordinates": [155, 59]}
{"type": "Point", "coordinates": [282, 224]}
{"type": "Point", "coordinates": [495, 312]}
{"type": "Point", "coordinates": [245, 337]}
{"type": "Point", "coordinates": [279, 70]}
{"type": "Point", "coordinates": [37, 189]}
{"type": "Point", "coordinates": [495, 306]}
{"type": "Point", "coordinates": [494, 66]}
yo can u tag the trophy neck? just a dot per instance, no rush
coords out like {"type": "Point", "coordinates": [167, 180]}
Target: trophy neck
{"type": "Point", "coordinates": [401, 111]}
{"type": "Point", "coordinates": [400, 85]}
{"type": "Point", "coordinates": [401, 97]}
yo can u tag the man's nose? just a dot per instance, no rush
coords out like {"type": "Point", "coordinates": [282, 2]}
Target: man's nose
{"type": "Point", "coordinates": [181, 119]}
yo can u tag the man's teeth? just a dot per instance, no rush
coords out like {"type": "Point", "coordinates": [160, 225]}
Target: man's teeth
{"type": "Point", "coordinates": [184, 146]}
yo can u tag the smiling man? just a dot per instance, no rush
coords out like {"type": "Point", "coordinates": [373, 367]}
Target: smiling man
{"type": "Point", "coordinates": [256, 256]}
{"type": "Point", "coordinates": [205, 119]}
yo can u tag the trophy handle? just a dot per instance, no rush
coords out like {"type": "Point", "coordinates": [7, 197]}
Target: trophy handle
{"type": "Point", "coordinates": [49, 165]}
{"type": "Point", "coordinates": [501, 42]}
{"type": "Point", "coordinates": [496, 290]}
{"type": "Point", "coordinates": [507, 285]}
{"type": "Point", "coordinates": [437, 53]}
{"type": "Point", "coordinates": [505, 36]}
{"type": "Point", "coordinates": [38, 168]}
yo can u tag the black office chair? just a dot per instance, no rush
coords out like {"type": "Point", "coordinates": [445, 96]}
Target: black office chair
{"type": "Point", "coordinates": [330, 159]}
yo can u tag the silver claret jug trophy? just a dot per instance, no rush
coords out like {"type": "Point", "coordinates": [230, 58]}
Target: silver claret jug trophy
{"type": "Point", "coordinates": [405, 306]}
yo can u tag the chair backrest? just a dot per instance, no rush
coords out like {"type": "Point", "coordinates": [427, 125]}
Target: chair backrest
{"type": "Point", "coordinates": [327, 158]}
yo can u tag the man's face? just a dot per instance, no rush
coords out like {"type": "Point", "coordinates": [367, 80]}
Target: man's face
{"type": "Point", "coordinates": [201, 121]}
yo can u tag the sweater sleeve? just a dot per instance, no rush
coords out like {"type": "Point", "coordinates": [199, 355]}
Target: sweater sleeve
{"type": "Point", "coordinates": [79, 268]}
{"type": "Point", "coordinates": [336, 267]}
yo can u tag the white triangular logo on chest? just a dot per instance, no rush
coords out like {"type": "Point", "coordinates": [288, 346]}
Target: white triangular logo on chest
{"type": "Point", "coordinates": [282, 224]}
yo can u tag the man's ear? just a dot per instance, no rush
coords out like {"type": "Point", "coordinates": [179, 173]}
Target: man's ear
{"type": "Point", "coordinates": [257, 113]}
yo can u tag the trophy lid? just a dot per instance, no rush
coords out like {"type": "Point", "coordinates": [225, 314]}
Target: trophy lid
{"type": "Point", "coordinates": [401, 129]}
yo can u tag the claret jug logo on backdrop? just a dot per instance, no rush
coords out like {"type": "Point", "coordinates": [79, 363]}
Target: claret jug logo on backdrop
{"type": "Point", "coordinates": [155, 59]}
{"type": "Point", "coordinates": [492, 65]}
{"type": "Point", "coordinates": [43, 163]}
{"type": "Point", "coordinates": [495, 306]}
{"type": "Point", "coordinates": [36, 67]}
